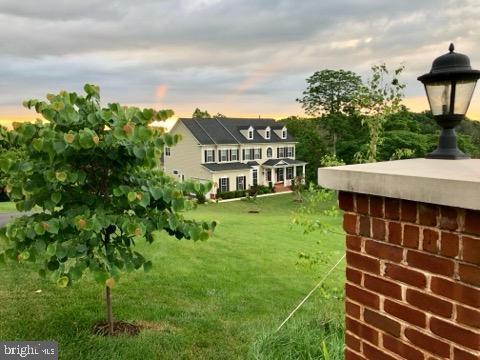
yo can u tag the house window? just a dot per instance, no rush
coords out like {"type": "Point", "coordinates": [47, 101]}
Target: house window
{"type": "Point", "coordinates": [224, 184]}
{"type": "Point", "coordinates": [289, 174]}
{"type": "Point", "coordinates": [223, 155]}
{"type": "Point", "coordinates": [233, 155]}
{"type": "Point", "coordinates": [281, 152]}
{"type": "Point", "coordinates": [284, 133]}
{"type": "Point", "coordinates": [240, 182]}
{"type": "Point", "coordinates": [175, 172]}
{"type": "Point", "coordinates": [280, 174]}
{"type": "Point", "coordinates": [248, 154]}
{"type": "Point", "coordinates": [250, 133]}
{"type": "Point", "coordinates": [255, 177]}
{"type": "Point", "coordinates": [267, 133]}
{"type": "Point", "coordinates": [290, 151]}
{"type": "Point", "coordinates": [167, 151]}
{"type": "Point", "coordinates": [209, 156]}
{"type": "Point", "coordinates": [257, 154]}
{"type": "Point", "coordinates": [269, 152]}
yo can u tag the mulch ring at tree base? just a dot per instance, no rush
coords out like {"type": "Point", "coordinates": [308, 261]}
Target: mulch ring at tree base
{"type": "Point", "coordinates": [119, 328]}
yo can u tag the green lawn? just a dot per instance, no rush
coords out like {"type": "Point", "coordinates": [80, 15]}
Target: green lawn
{"type": "Point", "coordinates": [7, 207]}
{"type": "Point", "coordinates": [220, 299]}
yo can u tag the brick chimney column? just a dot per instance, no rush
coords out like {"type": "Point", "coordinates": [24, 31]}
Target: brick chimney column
{"type": "Point", "coordinates": [413, 258]}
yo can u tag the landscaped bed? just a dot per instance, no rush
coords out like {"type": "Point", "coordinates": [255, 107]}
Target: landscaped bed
{"type": "Point", "coordinates": [220, 299]}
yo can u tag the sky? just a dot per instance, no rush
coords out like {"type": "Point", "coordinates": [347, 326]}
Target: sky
{"type": "Point", "coordinates": [235, 57]}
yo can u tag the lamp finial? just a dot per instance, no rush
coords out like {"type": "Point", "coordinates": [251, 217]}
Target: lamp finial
{"type": "Point", "coordinates": [451, 47]}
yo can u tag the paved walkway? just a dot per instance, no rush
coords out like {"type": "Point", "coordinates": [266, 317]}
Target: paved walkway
{"type": "Point", "coordinates": [5, 217]}
{"type": "Point", "coordinates": [258, 196]}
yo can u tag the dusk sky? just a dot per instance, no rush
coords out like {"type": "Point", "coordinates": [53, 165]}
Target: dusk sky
{"type": "Point", "coordinates": [236, 57]}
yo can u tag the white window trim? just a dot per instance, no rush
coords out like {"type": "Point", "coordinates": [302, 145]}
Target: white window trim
{"type": "Point", "coordinates": [243, 183]}
{"type": "Point", "coordinates": [254, 179]}
{"type": "Point", "coordinates": [271, 153]}
{"type": "Point", "coordinates": [284, 133]}
{"type": "Point", "coordinates": [287, 170]}
{"type": "Point", "coordinates": [250, 133]}
{"type": "Point", "coordinates": [268, 133]}
{"type": "Point", "coordinates": [226, 158]}
{"type": "Point", "coordinates": [212, 152]}
{"type": "Point", "coordinates": [220, 184]}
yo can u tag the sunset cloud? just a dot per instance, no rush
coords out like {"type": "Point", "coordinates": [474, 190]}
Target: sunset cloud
{"type": "Point", "coordinates": [237, 57]}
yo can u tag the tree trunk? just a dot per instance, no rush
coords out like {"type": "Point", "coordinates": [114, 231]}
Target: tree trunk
{"type": "Point", "coordinates": [335, 143]}
{"type": "Point", "coordinates": [108, 296]}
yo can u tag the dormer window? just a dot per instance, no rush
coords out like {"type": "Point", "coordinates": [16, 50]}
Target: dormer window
{"type": "Point", "coordinates": [267, 133]}
{"type": "Point", "coordinates": [284, 133]}
{"type": "Point", "coordinates": [250, 133]}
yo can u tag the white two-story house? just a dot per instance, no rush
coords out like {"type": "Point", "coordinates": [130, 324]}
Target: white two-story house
{"type": "Point", "coordinates": [234, 154]}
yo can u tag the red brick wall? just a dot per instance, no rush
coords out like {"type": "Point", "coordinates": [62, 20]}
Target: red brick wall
{"type": "Point", "coordinates": [413, 280]}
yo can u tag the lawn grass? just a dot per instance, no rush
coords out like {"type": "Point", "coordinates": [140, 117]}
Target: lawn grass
{"type": "Point", "coordinates": [220, 299]}
{"type": "Point", "coordinates": [7, 206]}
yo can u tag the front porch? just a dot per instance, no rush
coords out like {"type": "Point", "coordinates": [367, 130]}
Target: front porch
{"type": "Point", "coordinates": [280, 173]}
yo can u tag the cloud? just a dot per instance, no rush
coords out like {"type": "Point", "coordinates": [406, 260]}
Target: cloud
{"type": "Point", "coordinates": [230, 56]}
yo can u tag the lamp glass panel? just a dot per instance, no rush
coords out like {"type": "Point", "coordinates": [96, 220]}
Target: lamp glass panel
{"type": "Point", "coordinates": [439, 97]}
{"type": "Point", "coordinates": [463, 95]}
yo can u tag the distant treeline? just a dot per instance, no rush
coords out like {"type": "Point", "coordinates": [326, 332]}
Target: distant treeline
{"type": "Point", "coordinates": [405, 134]}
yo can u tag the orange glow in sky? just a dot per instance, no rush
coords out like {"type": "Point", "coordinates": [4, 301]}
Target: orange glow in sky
{"type": "Point", "coordinates": [229, 107]}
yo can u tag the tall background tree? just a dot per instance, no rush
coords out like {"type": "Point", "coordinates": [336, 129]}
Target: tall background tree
{"type": "Point", "coordinates": [200, 114]}
{"type": "Point", "coordinates": [91, 172]}
{"type": "Point", "coordinates": [311, 147]}
{"type": "Point", "coordinates": [380, 98]}
{"type": "Point", "coordinates": [331, 96]}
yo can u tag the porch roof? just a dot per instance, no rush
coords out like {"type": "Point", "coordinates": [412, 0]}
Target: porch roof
{"type": "Point", "coordinates": [217, 167]}
{"type": "Point", "coordinates": [282, 162]}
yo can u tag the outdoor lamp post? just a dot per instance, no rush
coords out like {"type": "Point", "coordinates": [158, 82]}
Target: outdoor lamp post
{"type": "Point", "coordinates": [449, 86]}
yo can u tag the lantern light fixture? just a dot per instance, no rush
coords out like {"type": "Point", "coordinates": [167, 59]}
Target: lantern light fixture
{"type": "Point", "coordinates": [449, 86]}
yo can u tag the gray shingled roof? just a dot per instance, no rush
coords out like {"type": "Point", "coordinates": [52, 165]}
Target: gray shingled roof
{"type": "Point", "coordinates": [273, 162]}
{"type": "Point", "coordinates": [227, 130]}
{"type": "Point", "coordinates": [226, 166]}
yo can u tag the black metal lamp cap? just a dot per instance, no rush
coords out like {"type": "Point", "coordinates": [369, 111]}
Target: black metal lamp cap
{"type": "Point", "coordinates": [451, 65]}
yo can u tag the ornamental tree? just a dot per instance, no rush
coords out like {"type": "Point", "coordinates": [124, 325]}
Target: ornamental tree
{"type": "Point", "coordinates": [91, 172]}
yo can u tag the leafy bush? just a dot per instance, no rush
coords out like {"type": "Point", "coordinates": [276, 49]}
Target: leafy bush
{"type": "Point", "coordinates": [201, 198]}
{"type": "Point", "coordinates": [259, 190]}
{"type": "Point", "coordinates": [231, 194]}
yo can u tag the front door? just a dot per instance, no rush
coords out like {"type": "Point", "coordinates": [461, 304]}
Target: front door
{"type": "Point", "coordinates": [280, 174]}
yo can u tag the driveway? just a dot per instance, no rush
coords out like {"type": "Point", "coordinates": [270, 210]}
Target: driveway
{"type": "Point", "coordinates": [5, 217]}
